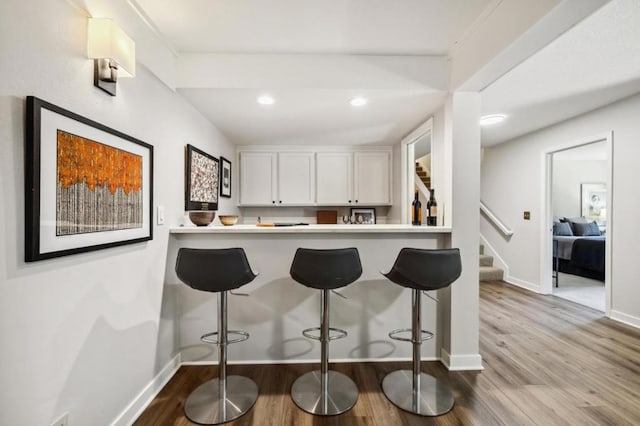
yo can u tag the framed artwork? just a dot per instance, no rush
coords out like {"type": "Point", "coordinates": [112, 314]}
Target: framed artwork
{"type": "Point", "coordinates": [87, 186]}
{"type": "Point", "coordinates": [593, 201]}
{"type": "Point", "coordinates": [201, 181]}
{"type": "Point", "coordinates": [225, 177]}
{"type": "Point", "coordinates": [363, 216]}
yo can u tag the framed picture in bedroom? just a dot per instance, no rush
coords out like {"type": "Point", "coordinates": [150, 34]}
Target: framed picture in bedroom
{"type": "Point", "coordinates": [593, 201]}
{"type": "Point", "coordinates": [225, 177]}
{"type": "Point", "coordinates": [87, 186]}
{"type": "Point", "coordinates": [201, 181]}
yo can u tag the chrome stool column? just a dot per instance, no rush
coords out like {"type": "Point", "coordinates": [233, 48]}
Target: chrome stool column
{"type": "Point", "coordinates": [218, 270]}
{"type": "Point", "coordinates": [420, 270]}
{"type": "Point", "coordinates": [325, 392]}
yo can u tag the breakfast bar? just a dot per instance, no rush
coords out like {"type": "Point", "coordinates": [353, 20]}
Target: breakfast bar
{"type": "Point", "coordinates": [276, 309]}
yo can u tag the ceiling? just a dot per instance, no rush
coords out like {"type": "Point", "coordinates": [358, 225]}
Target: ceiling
{"type": "Point", "coordinates": [396, 56]}
{"type": "Point", "coordinates": [593, 64]}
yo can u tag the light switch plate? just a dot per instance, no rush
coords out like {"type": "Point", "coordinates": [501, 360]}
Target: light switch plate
{"type": "Point", "coordinates": [160, 215]}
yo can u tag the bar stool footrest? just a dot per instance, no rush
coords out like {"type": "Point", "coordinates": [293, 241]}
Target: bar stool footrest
{"type": "Point", "coordinates": [395, 335]}
{"type": "Point", "coordinates": [339, 333]}
{"type": "Point", "coordinates": [243, 336]}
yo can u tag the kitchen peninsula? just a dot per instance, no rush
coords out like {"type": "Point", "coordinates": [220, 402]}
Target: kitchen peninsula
{"type": "Point", "coordinates": [278, 309]}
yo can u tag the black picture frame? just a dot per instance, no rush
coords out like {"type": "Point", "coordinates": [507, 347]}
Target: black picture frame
{"type": "Point", "coordinates": [87, 186]}
{"type": "Point", "coordinates": [225, 177]}
{"type": "Point", "coordinates": [368, 215]}
{"type": "Point", "coordinates": [202, 173]}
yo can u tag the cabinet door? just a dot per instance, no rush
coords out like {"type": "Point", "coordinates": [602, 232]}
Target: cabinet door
{"type": "Point", "coordinates": [296, 178]}
{"type": "Point", "coordinates": [372, 176]}
{"type": "Point", "coordinates": [334, 177]}
{"type": "Point", "coordinates": [258, 184]}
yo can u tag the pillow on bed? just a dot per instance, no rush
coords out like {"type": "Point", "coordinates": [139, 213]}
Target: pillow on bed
{"type": "Point", "coordinates": [562, 229]}
{"type": "Point", "coordinates": [585, 229]}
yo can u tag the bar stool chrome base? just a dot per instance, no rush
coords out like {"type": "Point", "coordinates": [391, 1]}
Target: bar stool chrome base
{"type": "Point", "coordinates": [432, 398]}
{"type": "Point", "coordinates": [342, 393]}
{"type": "Point", "coordinates": [205, 406]}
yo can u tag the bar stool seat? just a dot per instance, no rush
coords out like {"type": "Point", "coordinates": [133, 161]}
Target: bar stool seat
{"type": "Point", "coordinates": [218, 270]}
{"type": "Point", "coordinates": [420, 270]}
{"type": "Point", "coordinates": [325, 392]}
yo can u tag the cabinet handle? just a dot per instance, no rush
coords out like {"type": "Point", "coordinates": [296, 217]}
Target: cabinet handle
{"type": "Point", "coordinates": [349, 201]}
{"type": "Point", "coordinates": [273, 202]}
{"type": "Point", "coordinates": [280, 201]}
{"type": "Point", "coordinates": [356, 201]}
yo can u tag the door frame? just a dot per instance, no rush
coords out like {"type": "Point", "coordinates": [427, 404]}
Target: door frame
{"type": "Point", "coordinates": [407, 162]}
{"type": "Point", "coordinates": [546, 224]}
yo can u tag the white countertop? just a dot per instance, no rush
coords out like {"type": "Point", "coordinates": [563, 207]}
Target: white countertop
{"type": "Point", "coordinates": [347, 229]}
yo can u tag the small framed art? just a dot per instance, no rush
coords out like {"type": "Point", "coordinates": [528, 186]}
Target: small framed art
{"type": "Point", "coordinates": [363, 216]}
{"type": "Point", "coordinates": [201, 181]}
{"type": "Point", "coordinates": [225, 177]}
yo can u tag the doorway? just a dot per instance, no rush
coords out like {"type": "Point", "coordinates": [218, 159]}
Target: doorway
{"type": "Point", "coordinates": [416, 147]}
{"type": "Point", "coordinates": [576, 226]}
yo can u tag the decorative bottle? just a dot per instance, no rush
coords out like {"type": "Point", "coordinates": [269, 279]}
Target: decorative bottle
{"type": "Point", "coordinates": [432, 209]}
{"type": "Point", "coordinates": [416, 211]}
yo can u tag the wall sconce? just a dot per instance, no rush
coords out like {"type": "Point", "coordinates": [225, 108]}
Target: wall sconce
{"type": "Point", "coordinates": [113, 51]}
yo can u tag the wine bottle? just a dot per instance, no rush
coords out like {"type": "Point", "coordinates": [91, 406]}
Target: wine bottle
{"type": "Point", "coordinates": [416, 211]}
{"type": "Point", "coordinates": [432, 209]}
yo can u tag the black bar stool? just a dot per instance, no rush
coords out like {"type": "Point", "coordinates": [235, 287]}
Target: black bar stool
{"type": "Point", "coordinates": [420, 270]}
{"type": "Point", "coordinates": [325, 392]}
{"type": "Point", "coordinates": [218, 270]}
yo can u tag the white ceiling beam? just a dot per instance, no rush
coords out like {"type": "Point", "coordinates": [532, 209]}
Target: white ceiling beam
{"type": "Point", "coordinates": [508, 33]}
{"type": "Point", "coordinates": [302, 71]}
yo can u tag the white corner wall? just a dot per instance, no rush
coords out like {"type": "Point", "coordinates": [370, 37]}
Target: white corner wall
{"type": "Point", "coordinates": [84, 334]}
{"type": "Point", "coordinates": [511, 180]}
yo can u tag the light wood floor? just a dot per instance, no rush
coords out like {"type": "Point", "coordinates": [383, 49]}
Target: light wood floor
{"type": "Point", "coordinates": [547, 362]}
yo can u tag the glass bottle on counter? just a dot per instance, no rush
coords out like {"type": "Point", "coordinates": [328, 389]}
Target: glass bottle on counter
{"type": "Point", "coordinates": [432, 209]}
{"type": "Point", "coordinates": [416, 211]}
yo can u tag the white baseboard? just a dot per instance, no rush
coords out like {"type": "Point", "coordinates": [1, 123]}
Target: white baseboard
{"type": "Point", "coordinates": [144, 398]}
{"type": "Point", "coordinates": [308, 361]}
{"type": "Point", "coordinates": [625, 318]}
{"type": "Point", "coordinates": [461, 362]}
{"type": "Point", "coordinates": [523, 284]}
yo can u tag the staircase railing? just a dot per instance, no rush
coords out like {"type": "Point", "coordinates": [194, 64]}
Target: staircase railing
{"type": "Point", "coordinates": [422, 188]}
{"type": "Point", "coordinates": [495, 220]}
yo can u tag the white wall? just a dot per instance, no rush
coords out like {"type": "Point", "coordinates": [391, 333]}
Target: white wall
{"type": "Point", "coordinates": [84, 333]}
{"type": "Point", "coordinates": [511, 179]}
{"type": "Point", "coordinates": [567, 177]}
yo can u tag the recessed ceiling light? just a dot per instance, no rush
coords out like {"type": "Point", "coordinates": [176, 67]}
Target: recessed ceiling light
{"type": "Point", "coordinates": [358, 101]}
{"type": "Point", "coordinates": [489, 120]}
{"type": "Point", "coordinates": [266, 100]}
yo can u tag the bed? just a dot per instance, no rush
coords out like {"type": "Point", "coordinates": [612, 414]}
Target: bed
{"type": "Point", "coordinates": [581, 255]}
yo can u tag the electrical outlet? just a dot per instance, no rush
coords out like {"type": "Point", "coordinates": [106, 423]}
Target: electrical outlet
{"type": "Point", "coordinates": [63, 420]}
{"type": "Point", "coordinates": [160, 215]}
{"type": "Point", "coordinates": [527, 215]}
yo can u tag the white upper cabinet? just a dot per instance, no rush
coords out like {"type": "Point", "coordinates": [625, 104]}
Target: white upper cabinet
{"type": "Point", "coordinates": [271, 178]}
{"type": "Point", "coordinates": [334, 173]}
{"type": "Point", "coordinates": [296, 178]}
{"type": "Point", "coordinates": [258, 178]}
{"type": "Point", "coordinates": [344, 177]}
{"type": "Point", "coordinates": [372, 178]}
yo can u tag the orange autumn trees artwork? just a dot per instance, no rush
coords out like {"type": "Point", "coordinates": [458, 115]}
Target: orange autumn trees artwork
{"type": "Point", "coordinates": [99, 187]}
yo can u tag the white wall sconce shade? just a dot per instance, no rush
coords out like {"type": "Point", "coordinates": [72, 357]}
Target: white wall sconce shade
{"type": "Point", "coordinates": [113, 51]}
